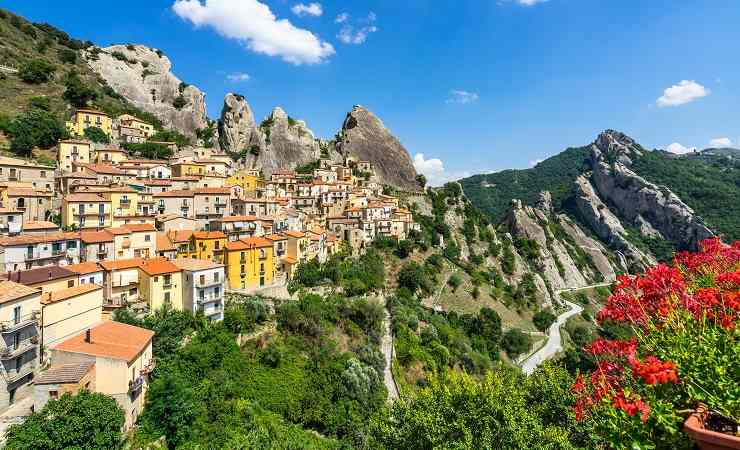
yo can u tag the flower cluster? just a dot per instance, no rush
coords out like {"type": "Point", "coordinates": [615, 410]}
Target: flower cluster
{"type": "Point", "coordinates": [697, 290]}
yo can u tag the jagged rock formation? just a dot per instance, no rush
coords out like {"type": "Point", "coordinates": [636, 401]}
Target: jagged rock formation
{"type": "Point", "coordinates": [237, 129]}
{"type": "Point", "coordinates": [364, 136]}
{"type": "Point", "coordinates": [606, 225]}
{"type": "Point", "coordinates": [287, 143]}
{"type": "Point", "coordinates": [142, 76]}
{"type": "Point", "coordinates": [563, 261]}
{"type": "Point", "coordinates": [653, 209]}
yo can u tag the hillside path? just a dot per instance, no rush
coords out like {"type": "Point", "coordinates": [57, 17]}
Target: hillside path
{"type": "Point", "coordinates": [386, 346]}
{"type": "Point", "coordinates": [554, 339]}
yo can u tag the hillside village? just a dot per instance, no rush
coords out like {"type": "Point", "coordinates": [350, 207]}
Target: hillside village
{"type": "Point", "coordinates": [105, 230]}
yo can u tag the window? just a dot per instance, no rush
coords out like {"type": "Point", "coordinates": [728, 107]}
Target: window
{"type": "Point", "coordinates": [43, 174]}
{"type": "Point", "coordinates": [41, 201]}
{"type": "Point", "coordinates": [216, 276]}
{"type": "Point", "coordinates": [167, 280]}
{"type": "Point", "coordinates": [243, 271]}
{"type": "Point", "coordinates": [16, 315]}
{"type": "Point", "coordinates": [147, 238]}
{"type": "Point", "coordinates": [156, 279]}
{"type": "Point", "coordinates": [53, 395]}
{"type": "Point", "coordinates": [167, 297]}
{"type": "Point", "coordinates": [10, 219]}
{"type": "Point", "coordinates": [71, 283]}
{"type": "Point", "coordinates": [202, 279]}
{"type": "Point", "coordinates": [92, 280]}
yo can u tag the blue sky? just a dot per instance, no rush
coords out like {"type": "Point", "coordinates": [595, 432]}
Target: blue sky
{"type": "Point", "coordinates": [473, 85]}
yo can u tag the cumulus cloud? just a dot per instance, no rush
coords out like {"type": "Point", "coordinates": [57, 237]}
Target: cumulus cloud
{"type": "Point", "coordinates": [461, 97]}
{"type": "Point", "coordinates": [680, 149]}
{"type": "Point", "coordinates": [721, 142]}
{"type": "Point", "coordinates": [312, 9]}
{"type": "Point", "coordinates": [684, 92]}
{"type": "Point", "coordinates": [534, 162]}
{"type": "Point", "coordinates": [238, 76]}
{"type": "Point", "coordinates": [253, 23]}
{"type": "Point", "coordinates": [356, 34]}
{"type": "Point", "coordinates": [433, 169]}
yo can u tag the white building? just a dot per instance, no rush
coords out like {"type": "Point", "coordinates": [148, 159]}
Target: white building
{"type": "Point", "coordinates": [203, 287]}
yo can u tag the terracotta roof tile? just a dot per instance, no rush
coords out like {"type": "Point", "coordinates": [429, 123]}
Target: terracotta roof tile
{"type": "Point", "coordinates": [158, 266]}
{"type": "Point", "coordinates": [84, 268]}
{"type": "Point", "coordinates": [48, 298]}
{"type": "Point", "coordinates": [39, 225]}
{"type": "Point", "coordinates": [84, 197]}
{"type": "Point", "coordinates": [257, 242]}
{"type": "Point", "coordinates": [110, 339]}
{"type": "Point", "coordinates": [195, 264]}
{"type": "Point", "coordinates": [209, 235]}
{"type": "Point", "coordinates": [95, 237]}
{"type": "Point", "coordinates": [175, 193]}
{"type": "Point", "coordinates": [10, 290]}
{"type": "Point", "coordinates": [140, 227]}
{"type": "Point", "coordinates": [163, 243]}
{"type": "Point", "coordinates": [122, 264]}
{"type": "Point", "coordinates": [295, 234]}
{"type": "Point", "coordinates": [205, 191]}
{"type": "Point", "coordinates": [40, 274]}
{"type": "Point", "coordinates": [180, 235]}
{"type": "Point", "coordinates": [64, 374]}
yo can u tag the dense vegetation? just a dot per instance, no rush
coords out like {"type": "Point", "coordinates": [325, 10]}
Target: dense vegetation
{"type": "Point", "coordinates": [356, 276]}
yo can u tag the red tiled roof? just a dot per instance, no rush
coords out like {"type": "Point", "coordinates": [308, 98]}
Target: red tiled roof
{"type": "Point", "coordinates": [84, 268]}
{"type": "Point", "coordinates": [95, 237]}
{"type": "Point", "coordinates": [122, 264]}
{"type": "Point", "coordinates": [175, 193]}
{"type": "Point", "coordinates": [209, 235]}
{"type": "Point", "coordinates": [48, 298]}
{"type": "Point", "coordinates": [110, 339]}
{"type": "Point", "coordinates": [158, 266]}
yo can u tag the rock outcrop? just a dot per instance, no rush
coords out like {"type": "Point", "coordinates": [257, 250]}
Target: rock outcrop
{"type": "Point", "coordinates": [653, 209]}
{"type": "Point", "coordinates": [143, 76]}
{"type": "Point", "coordinates": [364, 136]}
{"type": "Point", "coordinates": [237, 129]}
{"type": "Point", "coordinates": [287, 143]}
{"type": "Point", "coordinates": [561, 261]}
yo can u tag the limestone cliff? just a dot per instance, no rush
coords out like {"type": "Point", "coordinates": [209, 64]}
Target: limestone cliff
{"type": "Point", "coordinates": [237, 129]}
{"type": "Point", "coordinates": [143, 76]}
{"type": "Point", "coordinates": [364, 136]}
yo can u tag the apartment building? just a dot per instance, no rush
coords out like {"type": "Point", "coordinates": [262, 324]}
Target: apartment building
{"type": "Point", "coordinates": [175, 201]}
{"type": "Point", "coordinates": [66, 312]}
{"type": "Point", "coordinates": [86, 211]}
{"type": "Point", "coordinates": [121, 283]}
{"type": "Point", "coordinates": [30, 174]}
{"type": "Point", "coordinates": [72, 151]}
{"type": "Point", "coordinates": [250, 263]}
{"type": "Point", "coordinates": [11, 221]}
{"type": "Point", "coordinates": [84, 118]}
{"type": "Point", "coordinates": [24, 252]}
{"type": "Point", "coordinates": [203, 287]}
{"type": "Point", "coordinates": [160, 283]}
{"type": "Point", "coordinates": [35, 203]}
{"type": "Point", "coordinates": [96, 246]}
{"type": "Point", "coordinates": [19, 322]}
{"type": "Point", "coordinates": [211, 203]}
{"type": "Point", "coordinates": [123, 360]}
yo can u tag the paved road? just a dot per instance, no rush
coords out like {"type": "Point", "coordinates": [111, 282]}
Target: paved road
{"type": "Point", "coordinates": [386, 345]}
{"type": "Point", "coordinates": [554, 340]}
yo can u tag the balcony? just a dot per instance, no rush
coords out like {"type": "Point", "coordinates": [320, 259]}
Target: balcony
{"type": "Point", "coordinates": [167, 285]}
{"type": "Point", "coordinates": [125, 203]}
{"type": "Point", "coordinates": [149, 368]}
{"type": "Point", "coordinates": [221, 203]}
{"type": "Point", "coordinates": [209, 282]}
{"type": "Point", "coordinates": [10, 326]}
{"type": "Point", "coordinates": [23, 346]}
{"type": "Point", "coordinates": [13, 376]}
{"type": "Point", "coordinates": [135, 385]}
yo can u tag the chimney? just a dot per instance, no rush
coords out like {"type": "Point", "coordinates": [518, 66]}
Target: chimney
{"type": "Point", "coordinates": [88, 336]}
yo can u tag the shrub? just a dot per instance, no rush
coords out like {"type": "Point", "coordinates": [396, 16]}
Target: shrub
{"type": "Point", "coordinates": [684, 320]}
{"type": "Point", "coordinates": [67, 56]}
{"type": "Point", "coordinates": [42, 103]}
{"type": "Point", "coordinates": [34, 128]}
{"type": "Point", "coordinates": [179, 102]}
{"type": "Point", "coordinates": [515, 342]}
{"type": "Point", "coordinates": [254, 150]}
{"type": "Point", "coordinates": [411, 276]}
{"type": "Point", "coordinates": [95, 134]}
{"type": "Point", "coordinates": [85, 420]}
{"type": "Point", "coordinates": [77, 92]}
{"type": "Point", "coordinates": [454, 281]}
{"type": "Point", "coordinates": [149, 150]}
{"type": "Point", "coordinates": [543, 319]}
{"type": "Point", "coordinates": [36, 71]}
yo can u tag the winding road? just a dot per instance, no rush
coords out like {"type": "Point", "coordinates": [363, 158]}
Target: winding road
{"type": "Point", "coordinates": [554, 339]}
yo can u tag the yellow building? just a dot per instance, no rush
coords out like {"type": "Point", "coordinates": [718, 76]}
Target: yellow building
{"type": "Point", "coordinates": [85, 118]}
{"type": "Point", "coordinates": [160, 283]}
{"type": "Point", "coordinates": [72, 151]}
{"type": "Point", "coordinates": [247, 182]}
{"type": "Point", "coordinates": [124, 201]}
{"type": "Point", "coordinates": [209, 245]}
{"type": "Point", "coordinates": [187, 169]}
{"type": "Point", "coordinates": [129, 121]}
{"type": "Point", "coordinates": [183, 242]}
{"type": "Point", "coordinates": [110, 156]}
{"type": "Point", "coordinates": [250, 263]}
{"type": "Point", "coordinates": [123, 359]}
{"type": "Point", "coordinates": [85, 211]}
{"type": "Point", "coordinates": [66, 312]}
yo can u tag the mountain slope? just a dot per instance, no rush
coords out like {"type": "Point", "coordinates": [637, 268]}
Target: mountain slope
{"type": "Point", "coordinates": [638, 202]}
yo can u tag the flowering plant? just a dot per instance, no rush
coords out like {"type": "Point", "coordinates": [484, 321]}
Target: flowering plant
{"type": "Point", "coordinates": [685, 350]}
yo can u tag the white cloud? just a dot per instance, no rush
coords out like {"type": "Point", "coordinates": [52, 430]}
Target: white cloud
{"type": "Point", "coordinates": [684, 92]}
{"type": "Point", "coordinates": [535, 162]}
{"type": "Point", "coordinates": [252, 23]}
{"type": "Point", "coordinates": [238, 76]}
{"type": "Point", "coordinates": [680, 149]}
{"type": "Point", "coordinates": [721, 142]}
{"type": "Point", "coordinates": [433, 169]}
{"type": "Point", "coordinates": [462, 97]}
{"type": "Point", "coordinates": [350, 34]}
{"type": "Point", "coordinates": [530, 2]}
{"type": "Point", "coordinates": [312, 9]}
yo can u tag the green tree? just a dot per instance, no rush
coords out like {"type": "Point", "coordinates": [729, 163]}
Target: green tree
{"type": "Point", "coordinates": [458, 412]}
{"type": "Point", "coordinates": [171, 408]}
{"type": "Point", "coordinates": [82, 421]}
{"type": "Point", "coordinates": [95, 134]}
{"type": "Point", "coordinates": [515, 342]}
{"type": "Point", "coordinates": [34, 128]}
{"type": "Point", "coordinates": [36, 71]}
{"type": "Point", "coordinates": [411, 276]}
{"type": "Point", "coordinates": [68, 56]}
{"type": "Point", "coordinates": [543, 319]}
{"type": "Point", "coordinates": [421, 180]}
{"type": "Point", "coordinates": [76, 92]}
{"type": "Point", "coordinates": [454, 281]}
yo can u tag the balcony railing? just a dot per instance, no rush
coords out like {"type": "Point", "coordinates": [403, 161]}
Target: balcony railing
{"type": "Point", "coordinates": [167, 285]}
{"type": "Point", "coordinates": [23, 346]}
{"type": "Point", "coordinates": [10, 326]}
{"type": "Point", "coordinates": [13, 376]}
{"type": "Point", "coordinates": [135, 385]}
{"type": "Point", "coordinates": [149, 368]}
{"type": "Point", "coordinates": [209, 282]}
